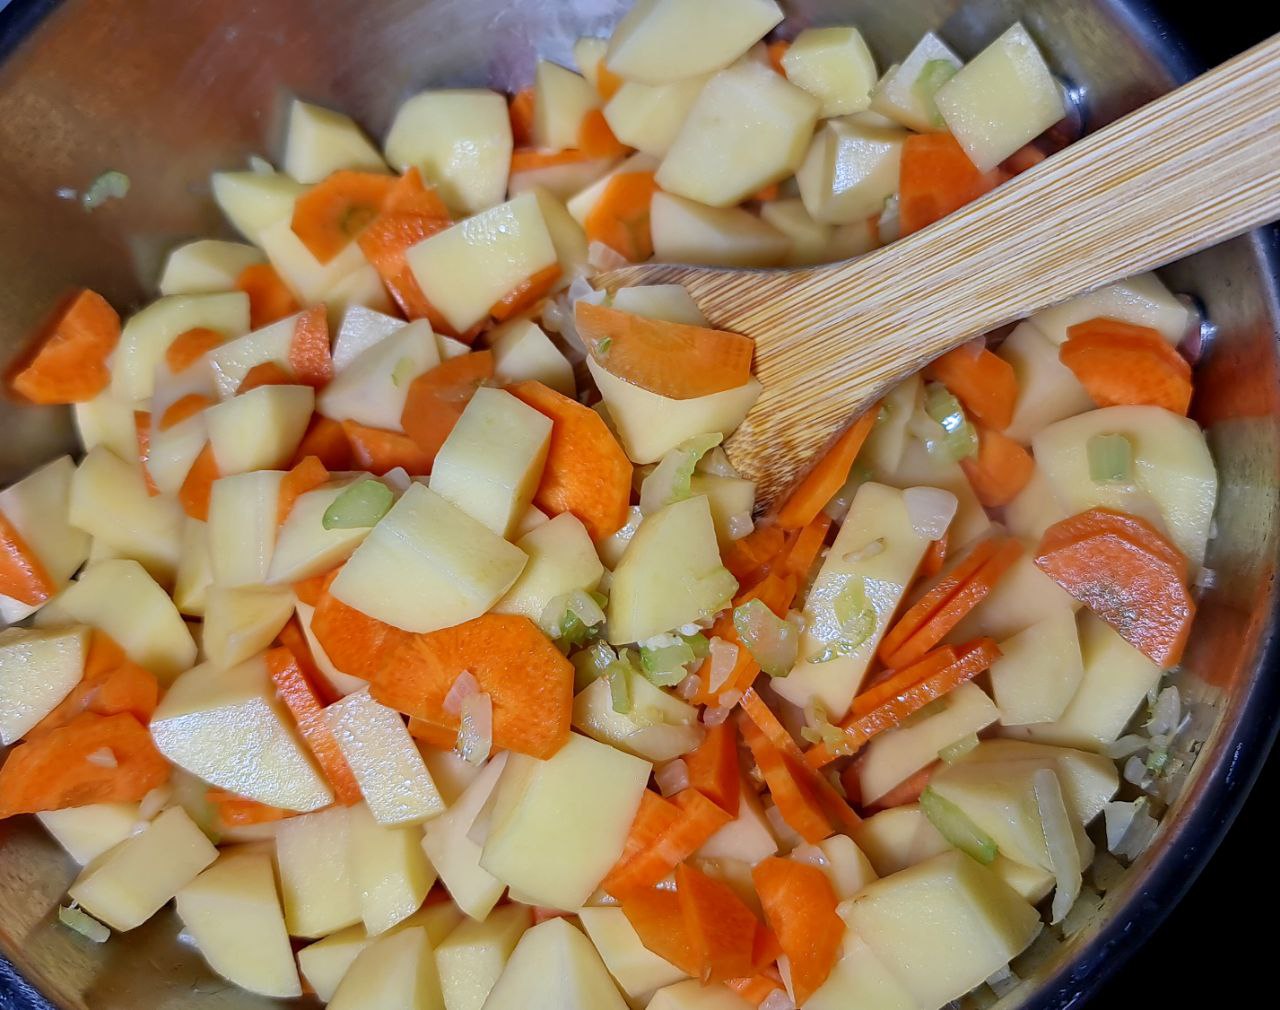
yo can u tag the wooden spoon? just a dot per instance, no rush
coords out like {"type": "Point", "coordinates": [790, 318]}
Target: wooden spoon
{"type": "Point", "coordinates": [1194, 168]}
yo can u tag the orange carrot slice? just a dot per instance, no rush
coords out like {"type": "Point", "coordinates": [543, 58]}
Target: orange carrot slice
{"type": "Point", "coordinates": [907, 791]}
{"type": "Point", "coordinates": [803, 553]}
{"type": "Point", "coordinates": [607, 82]}
{"type": "Point", "coordinates": [309, 355]}
{"type": "Point", "coordinates": [720, 927]}
{"type": "Point", "coordinates": [520, 110]}
{"type": "Point", "coordinates": [894, 682]}
{"type": "Point", "coordinates": [241, 812]}
{"type": "Point", "coordinates": [776, 50]}
{"type": "Point", "coordinates": [310, 590]}
{"type": "Point", "coordinates": [183, 408]}
{"type": "Point", "coordinates": [746, 557]}
{"type": "Point", "coordinates": [337, 209]}
{"type": "Point", "coordinates": [356, 643]}
{"type": "Point", "coordinates": [935, 556]}
{"type": "Point", "coordinates": [936, 177]}
{"type": "Point", "coordinates": [142, 436]}
{"type": "Point", "coordinates": [828, 476]}
{"type": "Point", "coordinates": [23, 575]}
{"type": "Point", "coordinates": [437, 398]}
{"type": "Point", "coordinates": [379, 451]}
{"type": "Point", "coordinates": [70, 363]}
{"type": "Point", "coordinates": [800, 907]}
{"type": "Point", "coordinates": [768, 194]}
{"type": "Point", "coordinates": [983, 382]}
{"type": "Point", "coordinates": [699, 819]}
{"type": "Point", "coordinates": [191, 345]}
{"type": "Point", "coordinates": [526, 294]}
{"type": "Point", "coordinates": [197, 487]}
{"type": "Point", "coordinates": [791, 789]}
{"type": "Point", "coordinates": [756, 989]}
{"type": "Point", "coordinates": [655, 816]}
{"type": "Point", "coordinates": [714, 770]}
{"type": "Point", "coordinates": [1103, 520]}
{"type": "Point", "coordinates": [657, 919]}
{"type": "Point", "coordinates": [293, 638]}
{"type": "Point", "coordinates": [1120, 363]}
{"type": "Point", "coordinates": [1001, 469]}
{"type": "Point", "coordinates": [269, 297]}
{"type": "Point", "coordinates": [528, 680]}
{"type": "Point", "coordinates": [326, 440]}
{"type": "Point", "coordinates": [305, 476]}
{"type": "Point", "coordinates": [596, 139]}
{"type": "Point", "coordinates": [265, 373]}
{"type": "Point", "coordinates": [620, 218]}
{"type": "Point", "coordinates": [111, 685]}
{"type": "Point", "coordinates": [587, 472]}
{"type": "Point", "coordinates": [529, 159]}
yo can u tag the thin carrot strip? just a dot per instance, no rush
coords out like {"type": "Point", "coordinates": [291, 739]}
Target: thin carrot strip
{"type": "Point", "coordinates": [898, 681]}
{"type": "Point", "coordinates": [70, 363]}
{"type": "Point", "coordinates": [907, 791]}
{"type": "Point", "coordinates": [936, 177]}
{"type": "Point", "coordinates": [269, 297]}
{"type": "Point", "coordinates": [190, 346]}
{"type": "Point", "coordinates": [620, 218]}
{"type": "Point", "coordinates": [241, 812]}
{"type": "Point", "coordinates": [828, 475]}
{"type": "Point", "coordinates": [329, 215]}
{"type": "Point", "coordinates": [935, 556]}
{"type": "Point", "coordinates": [699, 819]}
{"type": "Point", "coordinates": [142, 436]}
{"type": "Point", "coordinates": [789, 784]}
{"type": "Point", "coordinates": [714, 769]}
{"type": "Point", "coordinates": [800, 907]}
{"type": "Point", "coordinates": [808, 545]}
{"type": "Point", "coordinates": [746, 556]}
{"type": "Point", "coordinates": [23, 576]}
{"type": "Point", "coordinates": [1120, 363]}
{"type": "Point", "coordinates": [526, 294]}
{"type": "Point", "coordinates": [530, 159]}
{"type": "Point", "coordinates": [305, 476]}
{"type": "Point", "coordinates": [198, 485]}
{"type": "Point", "coordinates": [1001, 469]}
{"type": "Point", "coordinates": [607, 82]}
{"type": "Point", "coordinates": [983, 382]}
{"type": "Point", "coordinates": [293, 638]}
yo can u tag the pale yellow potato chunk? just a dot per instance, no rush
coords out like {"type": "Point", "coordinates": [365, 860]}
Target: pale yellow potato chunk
{"type": "Point", "coordinates": [205, 266]}
{"type": "Point", "coordinates": [897, 838]}
{"type": "Point", "coordinates": [390, 871]}
{"type": "Point", "coordinates": [37, 508]}
{"type": "Point", "coordinates": [637, 970]}
{"type": "Point", "coordinates": [397, 970]}
{"type": "Point", "coordinates": [304, 548]}
{"type": "Point", "coordinates": [522, 351]}
{"type": "Point", "coordinates": [835, 66]}
{"type": "Point", "coordinates": [195, 570]}
{"type": "Point", "coordinates": [648, 117]}
{"type": "Point", "coordinates": [1142, 300]}
{"type": "Point", "coordinates": [747, 838]}
{"type": "Point", "coordinates": [320, 141]}
{"type": "Point", "coordinates": [253, 201]}
{"type": "Point", "coordinates": [659, 727]}
{"type": "Point", "coordinates": [373, 387]}
{"type": "Point", "coordinates": [87, 832]}
{"type": "Point", "coordinates": [260, 429]}
{"type": "Point", "coordinates": [562, 558]}
{"type": "Point", "coordinates": [319, 893]}
{"type": "Point", "coordinates": [241, 622]}
{"type": "Point", "coordinates": [810, 239]}
{"type": "Point", "coordinates": [37, 670]}
{"type": "Point", "coordinates": [456, 856]}
{"type": "Point", "coordinates": [897, 95]}
{"type": "Point", "coordinates": [1048, 390]}
{"type": "Point", "coordinates": [850, 170]}
{"type": "Point", "coordinates": [561, 100]}
{"type": "Point", "coordinates": [685, 231]}
{"type": "Point", "coordinates": [554, 967]}
{"type": "Point", "coordinates": [242, 526]}
{"type": "Point", "coordinates": [860, 979]}
{"type": "Point", "coordinates": [1039, 671]}
{"type": "Point", "coordinates": [471, 958]}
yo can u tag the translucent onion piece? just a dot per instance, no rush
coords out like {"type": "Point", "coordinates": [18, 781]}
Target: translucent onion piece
{"type": "Point", "coordinates": [933, 75]}
{"type": "Point", "coordinates": [475, 729]}
{"type": "Point", "coordinates": [716, 462]}
{"type": "Point", "coordinates": [572, 617]}
{"type": "Point", "coordinates": [1110, 459]}
{"type": "Point", "coordinates": [670, 480]}
{"type": "Point", "coordinates": [83, 923]}
{"type": "Point", "coordinates": [772, 642]}
{"type": "Point", "coordinates": [689, 687]}
{"type": "Point", "coordinates": [724, 657]}
{"type": "Point", "coordinates": [777, 1000]}
{"type": "Point", "coordinates": [591, 663]}
{"type": "Point", "coordinates": [953, 752]}
{"type": "Point", "coordinates": [103, 757]}
{"type": "Point", "coordinates": [603, 257]}
{"type": "Point", "coordinates": [359, 507]}
{"type": "Point", "coordinates": [954, 825]}
{"type": "Point", "coordinates": [664, 664]}
{"type": "Point", "coordinates": [398, 479]}
{"type": "Point", "coordinates": [1059, 836]}
{"type": "Point", "coordinates": [1166, 714]}
{"type": "Point", "coordinates": [154, 802]}
{"type": "Point", "coordinates": [714, 715]}
{"type": "Point", "coordinates": [739, 525]}
{"type": "Point", "coordinates": [463, 687]}
{"type": "Point", "coordinates": [672, 777]}
{"type": "Point", "coordinates": [930, 510]}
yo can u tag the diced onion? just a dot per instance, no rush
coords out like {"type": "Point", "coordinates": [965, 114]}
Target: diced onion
{"type": "Point", "coordinates": [714, 715]}
{"type": "Point", "coordinates": [475, 729]}
{"type": "Point", "coordinates": [670, 481]}
{"type": "Point", "coordinates": [1110, 459]}
{"type": "Point", "coordinates": [154, 802]}
{"type": "Point", "coordinates": [740, 524]}
{"type": "Point", "coordinates": [1126, 745]}
{"type": "Point", "coordinates": [604, 257]}
{"type": "Point", "coordinates": [110, 185]}
{"type": "Point", "coordinates": [866, 552]}
{"type": "Point", "coordinates": [810, 854]}
{"type": "Point", "coordinates": [930, 510]}
{"type": "Point", "coordinates": [1166, 714]}
{"type": "Point", "coordinates": [103, 757]}
{"type": "Point", "coordinates": [398, 479]}
{"type": "Point", "coordinates": [1129, 827]}
{"type": "Point", "coordinates": [358, 507]}
{"type": "Point", "coordinates": [463, 687]}
{"type": "Point", "coordinates": [724, 657]}
{"type": "Point", "coordinates": [777, 1000]}
{"type": "Point", "coordinates": [772, 642]}
{"type": "Point", "coordinates": [86, 925]}
{"type": "Point", "coordinates": [716, 462]}
{"type": "Point", "coordinates": [1135, 772]}
{"type": "Point", "coordinates": [955, 826]}
{"type": "Point", "coordinates": [689, 687]}
{"type": "Point", "coordinates": [672, 777]}
{"type": "Point", "coordinates": [1060, 839]}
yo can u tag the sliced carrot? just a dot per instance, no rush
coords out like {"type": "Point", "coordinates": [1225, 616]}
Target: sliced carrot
{"type": "Point", "coordinates": [714, 769]}
{"type": "Point", "coordinates": [197, 487]}
{"type": "Point", "coordinates": [721, 928]}
{"type": "Point", "coordinates": [699, 819]}
{"type": "Point", "coordinates": [190, 346]}
{"type": "Point", "coordinates": [655, 816]}
{"type": "Point", "coordinates": [313, 727]}
{"type": "Point", "coordinates": [828, 475]}
{"type": "Point", "coordinates": [1001, 469]}
{"type": "Point", "coordinates": [894, 682]}
{"type": "Point", "coordinates": [91, 759]}
{"type": "Point", "coordinates": [983, 382]}
{"type": "Point", "coordinates": [270, 299]}
{"type": "Point", "coordinates": [907, 791]}
{"type": "Point", "coordinates": [356, 643]}
{"type": "Point", "coordinates": [183, 408]}
{"type": "Point", "coordinates": [439, 737]}
{"type": "Point", "coordinates": [936, 177]}
{"type": "Point", "coordinates": [596, 139]}
{"type": "Point", "coordinates": [956, 593]}
{"type": "Point", "coordinates": [309, 354]}
{"type": "Point", "coordinates": [70, 363]}
{"type": "Point", "coordinates": [1104, 520]}
{"type": "Point", "coordinates": [241, 812]}
{"type": "Point", "coordinates": [530, 159]}
{"type": "Point", "coordinates": [437, 398]}
{"type": "Point", "coordinates": [972, 659]}
{"type": "Point", "coordinates": [520, 110]}
{"type": "Point", "coordinates": [1023, 159]}
{"type": "Point", "coordinates": [310, 590]}
{"type": "Point", "coordinates": [935, 556]}
{"type": "Point", "coordinates": [265, 373]}
{"type": "Point", "coordinates": [656, 916]}
{"type": "Point", "coordinates": [776, 50]}
{"type": "Point", "coordinates": [526, 294]}
{"type": "Point", "coordinates": [1120, 363]}
{"type": "Point", "coordinates": [528, 680]}
{"type": "Point", "coordinates": [410, 195]}
{"type": "Point", "coordinates": [329, 215]}
{"type": "Point", "coordinates": [800, 907]}
{"type": "Point", "coordinates": [305, 476]}
{"type": "Point", "coordinates": [747, 556]}
{"type": "Point", "coordinates": [803, 553]}
{"type": "Point", "coordinates": [293, 638]}
{"type": "Point", "coordinates": [411, 212]}
{"type": "Point", "coordinates": [756, 989]}
{"type": "Point", "coordinates": [111, 685]}
{"type": "Point", "coordinates": [326, 440]}
{"type": "Point", "coordinates": [607, 82]}
{"type": "Point", "coordinates": [587, 472]}
{"type": "Point", "coordinates": [23, 575]}
{"type": "Point", "coordinates": [379, 451]}
{"type": "Point", "coordinates": [620, 218]}
{"type": "Point", "coordinates": [789, 785]}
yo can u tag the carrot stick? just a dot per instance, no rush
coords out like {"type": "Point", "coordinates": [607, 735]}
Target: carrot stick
{"type": "Point", "coordinates": [828, 475]}
{"type": "Point", "coordinates": [721, 928]}
{"type": "Point", "coordinates": [264, 373]}
{"type": "Point", "coordinates": [326, 440]}
{"type": "Point", "coordinates": [379, 451]}
{"type": "Point", "coordinates": [269, 297]}
{"type": "Point", "coordinates": [329, 215]}
{"type": "Point", "coordinates": [1120, 363]}
{"type": "Point", "coordinates": [190, 346]}
{"type": "Point", "coordinates": [620, 218]}
{"type": "Point", "coordinates": [304, 706]}
{"type": "Point", "coordinates": [91, 759]}
{"type": "Point", "coordinates": [971, 660]}
{"type": "Point", "coordinates": [526, 294]}
{"type": "Point", "coordinates": [655, 816]}
{"type": "Point", "coordinates": [935, 556]}
{"type": "Point", "coordinates": [808, 545]}
{"type": "Point", "coordinates": [356, 643]}
{"type": "Point", "coordinates": [929, 620]}
{"type": "Point", "coordinates": [789, 785]}
{"type": "Point", "coordinates": [587, 472]}
{"type": "Point", "coordinates": [657, 919]}
{"type": "Point", "coordinates": [714, 770]}
{"type": "Point", "coordinates": [198, 485]}
{"type": "Point", "coordinates": [699, 819]}
{"type": "Point", "coordinates": [671, 359]}
{"type": "Point", "coordinates": [907, 791]}
{"type": "Point", "coordinates": [1104, 520]}
{"type": "Point", "coordinates": [983, 382]}
{"type": "Point", "coordinates": [596, 139]}
{"type": "Point", "coordinates": [1001, 469]}
{"type": "Point", "coordinates": [23, 576]}
{"type": "Point", "coordinates": [183, 408]}
{"type": "Point", "coordinates": [746, 557]}
{"type": "Point", "coordinates": [70, 363]}
{"type": "Point", "coordinates": [111, 685]}
{"type": "Point", "coordinates": [305, 476]}
{"type": "Point", "coordinates": [292, 637]}
{"type": "Point", "coordinates": [776, 50]}
{"type": "Point", "coordinates": [936, 177]}
{"type": "Point", "coordinates": [241, 812]}
{"type": "Point", "coordinates": [528, 680]}
{"type": "Point", "coordinates": [437, 398]}
{"type": "Point", "coordinates": [897, 681]}
{"type": "Point", "coordinates": [309, 355]}
{"type": "Point", "coordinates": [520, 110]}
{"type": "Point", "coordinates": [800, 907]}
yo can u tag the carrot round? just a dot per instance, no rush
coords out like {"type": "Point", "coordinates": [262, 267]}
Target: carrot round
{"type": "Point", "coordinates": [587, 472]}
{"type": "Point", "coordinates": [197, 486]}
{"type": "Point", "coordinates": [1120, 363]}
{"type": "Point", "coordinates": [112, 685]}
{"type": "Point", "coordinates": [699, 819]}
{"type": "Point", "coordinates": [23, 575]}
{"type": "Point", "coordinates": [526, 294]}
{"type": "Point", "coordinates": [379, 451]}
{"type": "Point", "coordinates": [520, 111]}
{"type": "Point", "coordinates": [335, 210]}
{"type": "Point", "coordinates": [936, 177]}
{"type": "Point", "coordinates": [983, 382]}
{"type": "Point", "coordinates": [714, 770]}
{"type": "Point", "coordinates": [656, 917]}
{"type": "Point", "coordinates": [326, 440]}
{"type": "Point", "coordinates": [596, 139]}
{"type": "Point", "coordinates": [528, 680]}
{"type": "Point", "coordinates": [309, 354]}
{"type": "Point", "coordinates": [265, 373]}
{"type": "Point", "coordinates": [1104, 520]}
{"type": "Point", "coordinates": [437, 398]}
{"type": "Point", "coordinates": [620, 218]}
{"type": "Point", "coordinates": [721, 929]}
{"type": "Point", "coordinates": [1000, 470]}
{"type": "Point", "coordinates": [356, 643]}
{"type": "Point", "coordinates": [828, 475]}
{"type": "Point", "coordinates": [269, 297]}
{"type": "Point", "coordinates": [69, 766]}
{"type": "Point", "coordinates": [800, 907]}
{"type": "Point", "coordinates": [183, 408]}
{"type": "Point", "coordinates": [306, 475]}
{"type": "Point", "coordinates": [190, 346]}
{"type": "Point", "coordinates": [70, 363]}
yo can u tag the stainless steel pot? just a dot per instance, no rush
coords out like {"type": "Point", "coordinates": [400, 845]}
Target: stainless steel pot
{"type": "Point", "coordinates": [169, 92]}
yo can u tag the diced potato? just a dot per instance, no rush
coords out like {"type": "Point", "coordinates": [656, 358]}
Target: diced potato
{"type": "Point", "coordinates": [37, 670]}
{"type": "Point", "coordinates": [547, 843]}
{"type": "Point", "coordinates": [732, 500]}
{"type": "Point", "coordinates": [666, 40]}
{"type": "Point", "coordinates": [888, 438]}
{"type": "Point", "coordinates": [232, 361]}
{"type": "Point", "coordinates": [747, 128]}
{"type": "Point", "coordinates": [173, 451]}
{"type": "Point", "coordinates": [362, 288]}
{"type": "Point", "coordinates": [521, 350]}
{"type": "Point", "coordinates": [559, 181]}
{"type": "Point", "coordinates": [850, 170]}
{"type": "Point", "coordinates": [1048, 390]}
{"type": "Point", "coordinates": [390, 871]}
{"type": "Point", "coordinates": [121, 599]}
{"type": "Point", "coordinates": [588, 54]}
{"type": "Point", "coordinates": [460, 140]}
{"type": "Point", "coordinates": [1032, 883]}
{"type": "Point", "coordinates": [554, 967]}
{"type": "Point", "coordinates": [860, 979]}
{"type": "Point", "coordinates": [87, 832]}
{"type": "Point", "coordinates": [133, 881]}
{"type": "Point", "coordinates": [309, 279]}
{"type": "Point", "coordinates": [229, 728]}
{"type": "Point", "coordinates": [1174, 480]}
{"type": "Point", "coordinates": [810, 239]}
{"type": "Point", "coordinates": [917, 468]}
{"type": "Point", "coordinates": [491, 462]}
{"type": "Point", "coordinates": [897, 838]}
{"type": "Point", "coordinates": [392, 776]}
{"type": "Point", "coordinates": [205, 266]}
{"type": "Point", "coordinates": [562, 558]}
{"type": "Point", "coordinates": [147, 335]}
{"type": "Point", "coordinates": [567, 236]}
{"type": "Point", "coordinates": [37, 508]}
{"type": "Point", "coordinates": [195, 569]}
{"type": "Point", "coordinates": [304, 548]}
{"type": "Point", "coordinates": [835, 66]}
{"type": "Point", "coordinates": [561, 100]}
{"type": "Point", "coordinates": [372, 388]}
{"type": "Point", "coordinates": [242, 526]}
{"type": "Point", "coordinates": [688, 232]}
{"type": "Point", "coordinates": [1142, 300]}
{"type": "Point", "coordinates": [359, 330]}
{"type": "Point", "coordinates": [397, 970]}
{"type": "Point", "coordinates": [637, 970]}
{"type": "Point", "coordinates": [693, 995]}
{"type": "Point", "coordinates": [671, 302]}
{"type": "Point", "coordinates": [451, 772]}
{"type": "Point", "coordinates": [324, 962]}
{"type": "Point", "coordinates": [846, 866]}
{"type": "Point", "coordinates": [650, 425]}
{"type": "Point", "coordinates": [747, 837]}
{"type": "Point", "coordinates": [260, 429]}
{"type": "Point", "coordinates": [472, 957]}
{"type": "Point", "coordinates": [659, 726]}
{"type": "Point", "coordinates": [1034, 510]}
{"type": "Point", "coordinates": [232, 913]}
{"type": "Point", "coordinates": [464, 270]}
{"type": "Point", "coordinates": [342, 683]}
{"type": "Point", "coordinates": [670, 575]}
{"type": "Point", "coordinates": [1116, 680]}
{"type": "Point", "coordinates": [253, 201]}
{"type": "Point", "coordinates": [1089, 781]}
{"type": "Point", "coordinates": [898, 95]}
{"type": "Point", "coordinates": [851, 240]}
{"type": "Point", "coordinates": [1004, 98]}
{"type": "Point", "coordinates": [1039, 671]}
{"type": "Point", "coordinates": [456, 856]}
{"type": "Point", "coordinates": [1024, 596]}
{"type": "Point", "coordinates": [878, 514]}
{"type": "Point", "coordinates": [944, 926]}
{"type": "Point", "coordinates": [428, 565]}
{"type": "Point", "coordinates": [106, 421]}
{"type": "Point", "coordinates": [239, 623]}
{"type": "Point", "coordinates": [581, 204]}
{"type": "Point", "coordinates": [315, 880]}
{"type": "Point", "coordinates": [648, 117]}
{"type": "Point", "coordinates": [320, 141]}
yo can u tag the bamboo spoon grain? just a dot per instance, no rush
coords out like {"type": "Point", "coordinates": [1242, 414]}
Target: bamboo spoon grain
{"type": "Point", "coordinates": [1194, 168]}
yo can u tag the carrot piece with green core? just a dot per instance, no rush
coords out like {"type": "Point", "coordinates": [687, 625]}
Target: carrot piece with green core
{"type": "Point", "coordinates": [714, 769]}
{"type": "Point", "coordinates": [329, 215]}
{"type": "Point", "coordinates": [983, 382]}
{"type": "Point", "coordinates": [70, 363]}
{"type": "Point", "coordinates": [270, 299]}
{"type": "Point", "coordinates": [620, 218]}
{"type": "Point", "coordinates": [1121, 363]}
{"type": "Point", "coordinates": [306, 475]}
{"type": "Point", "coordinates": [800, 907]}
{"type": "Point", "coordinates": [936, 177]}
{"type": "Point", "coordinates": [437, 398]}
{"type": "Point", "coordinates": [190, 346]}
{"type": "Point", "coordinates": [1001, 469]}
{"type": "Point", "coordinates": [23, 576]}
{"type": "Point", "coordinates": [828, 475]}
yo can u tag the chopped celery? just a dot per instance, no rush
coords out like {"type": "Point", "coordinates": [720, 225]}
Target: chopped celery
{"type": "Point", "coordinates": [819, 729]}
{"type": "Point", "coordinates": [1110, 459]}
{"type": "Point", "coordinates": [699, 644]}
{"type": "Point", "coordinates": [671, 480]}
{"type": "Point", "coordinates": [359, 507]}
{"type": "Point", "coordinates": [110, 185]}
{"type": "Point", "coordinates": [619, 677]}
{"type": "Point", "coordinates": [856, 617]}
{"type": "Point", "coordinates": [953, 752]}
{"type": "Point", "coordinates": [664, 665]}
{"type": "Point", "coordinates": [603, 345]}
{"type": "Point", "coordinates": [954, 825]}
{"type": "Point", "coordinates": [959, 439]}
{"type": "Point", "coordinates": [772, 642]}
{"type": "Point", "coordinates": [933, 75]}
{"type": "Point", "coordinates": [86, 925]}
{"type": "Point", "coordinates": [572, 618]}
{"type": "Point", "coordinates": [590, 664]}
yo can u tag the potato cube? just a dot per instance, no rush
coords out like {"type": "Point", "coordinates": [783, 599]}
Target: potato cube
{"type": "Point", "coordinates": [1089, 781]}
{"type": "Point", "coordinates": [254, 201]}
{"type": "Point", "coordinates": [562, 558]}
{"type": "Point", "coordinates": [850, 170]}
{"type": "Point", "coordinates": [195, 569]}
{"type": "Point", "coordinates": [106, 421]}
{"type": "Point", "coordinates": [1039, 671]}
{"type": "Point", "coordinates": [232, 361]}
{"type": "Point", "coordinates": [897, 838]}
{"type": "Point", "coordinates": [860, 979]}
{"type": "Point", "coordinates": [1048, 391]}
{"type": "Point", "coordinates": [920, 468]}
{"type": "Point", "coordinates": [37, 670]}
{"type": "Point", "coordinates": [675, 732]}
{"type": "Point", "coordinates": [1023, 597]}
{"type": "Point", "coordinates": [37, 508]}
{"type": "Point", "coordinates": [671, 302]}
{"type": "Point", "coordinates": [310, 280]}
{"type": "Point", "coordinates": [372, 388]}
{"type": "Point", "coordinates": [315, 877]}
{"type": "Point", "coordinates": [324, 962]}
{"type": "Point", "coordinates": [845, 865]}
{"type": "Point", "coordinates": [320, 141]}
{"type": "Point", "coordinates": [899, 96]}
{"type": "Point", "coordinates": [239, 623]}
{"type": "Point", "coordinates": [688, 232]}
{"type": "Point", "coordinates": [747, 838]}
{"type": "Point", "coordinates": [561, 100]}
{"type": "Point", "coordinates": [390, 871]}
{"type": "Point", "coordinates": [397, 970]}
{"type": "Point", "coordinates": [732, 500]}
{"type": "Point", "coordinates": [648, 117]}
{"type": "Point", "coordinates": [304, 548]}
{"type": "Point", "coordinates": [810, 239]}
{"type": "Point", "coordinates": [522, 350]}
{"type": "Point", "coordinates": [242, 526]}
{"type": "Point", "coordinates": [693, 995]}
{"type": "Point", "coordinates": [472, 957]}
{"type": "Point", "coordinates": [456, 856]}
{"type": "Point", "coordinates": [1034, 510]}
{"type": "Point", "coordinates": [554, 967]}
{"type": "Point", "coordinates": [581, 204]}
{"type": "Point", "coordinates": [1143, 300]}
{"type": "Point", "coordinates": [637, 970]}
{"type": "Point", "coordinates": [173, 451]}
{"type": "Point", "coordinates": [206, 266]}
{"type": "Point", "coordinates": [260, 429]}
{"type": "Point", "coordinates": [359, 330]}
{"type": "Point", "coordinates": [835, 66]}
{"type": "Point", "coordinates": [88, 832]}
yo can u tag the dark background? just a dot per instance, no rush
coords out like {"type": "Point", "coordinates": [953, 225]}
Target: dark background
{"type": "Point", "coordinates": [1219, 941]}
